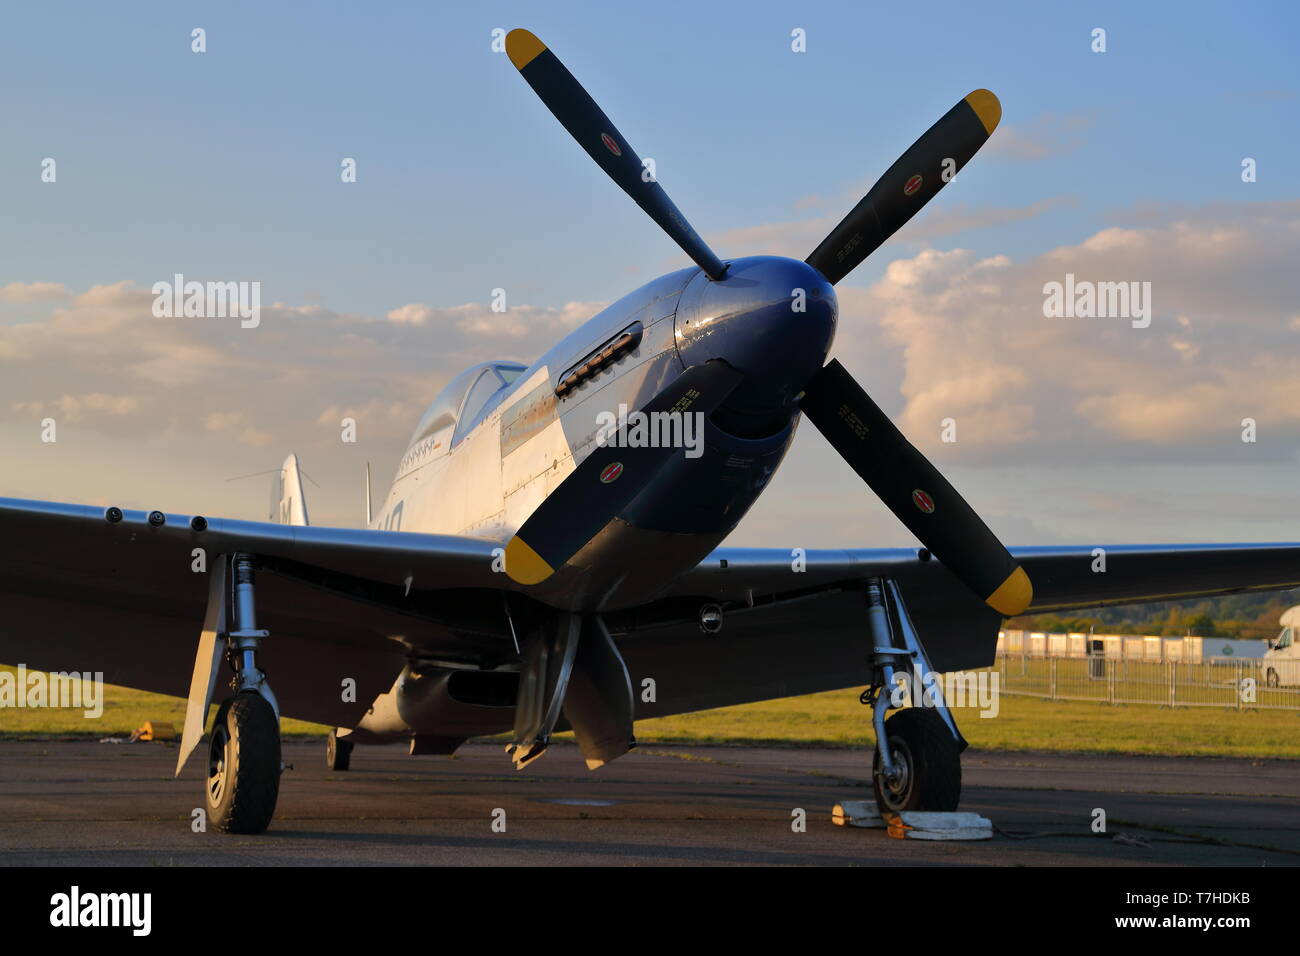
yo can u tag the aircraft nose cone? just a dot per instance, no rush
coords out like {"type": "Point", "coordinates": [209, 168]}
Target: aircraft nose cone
{"type": "Point", "coordinates": [769, 317]}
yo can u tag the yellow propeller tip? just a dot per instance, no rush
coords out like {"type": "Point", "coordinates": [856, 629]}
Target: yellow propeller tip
{"type": "Point", "coordinates": [523, 47]}
{"type": "Point", "coordinates": [524, 565]}
{"type": "Point", "coordinates": [1013, 595]}
{"type": "Point", "coordinates": [983, 102]}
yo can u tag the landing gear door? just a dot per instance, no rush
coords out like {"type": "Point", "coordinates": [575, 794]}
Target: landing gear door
{"type": "Point", "coordinates": [207, 662]}
{"type": "Point", "coordinates": [599, 704]}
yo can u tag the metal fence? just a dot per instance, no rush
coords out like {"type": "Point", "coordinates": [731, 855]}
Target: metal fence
{"type": "Point", "coordinates": [1238, 684]}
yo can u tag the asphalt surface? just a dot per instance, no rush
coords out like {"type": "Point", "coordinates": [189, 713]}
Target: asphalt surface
{"type": "Point", "coordinates": [100, 804]}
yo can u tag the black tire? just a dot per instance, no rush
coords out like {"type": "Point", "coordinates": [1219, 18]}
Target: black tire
{"type": "Point", "coordinates": [921, 744]}
{"type": "Point", "coordinates": [243, 765]}
{"type": "Point", "coordinates": [1271, 679]}
{"type": "Point", "coordinates": [338, 753]}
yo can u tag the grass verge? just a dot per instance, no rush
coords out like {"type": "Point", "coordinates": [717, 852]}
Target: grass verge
{"type": "Point", "coordinates": [833, 719]}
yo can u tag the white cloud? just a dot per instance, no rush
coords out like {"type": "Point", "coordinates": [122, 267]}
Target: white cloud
{"type": "Point", "coordinates": [967, 340]}
{"type": "Point", "coordinates": [412, 314]}
{"type": "Point", "coordinates": [104, 359]}
{"type": "Point", "coordinates": [32, 292]}
{"type": "Point", "coordinates": [237, 424]}
{"type": "Point", "coordinates": [171, 407]}
{"type": "Point", "coordinates": [77, 408]}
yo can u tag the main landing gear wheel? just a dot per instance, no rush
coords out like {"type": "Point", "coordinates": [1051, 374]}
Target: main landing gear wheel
{"type": "Point", "coordinates": [1271, 679]}
{"type": "Point", "coordinates": [243, 765]}
{"type": "Point", "coordinates": [927, 760]}
{"type": "Point", "coordinates": [338, 753]}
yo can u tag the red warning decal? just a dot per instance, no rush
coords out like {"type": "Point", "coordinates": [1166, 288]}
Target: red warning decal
{"type": "Point", "coordinates": [611, 145]}
{"type": "Point", "coordinates": [912, 185]}
{"type": "Point", "coordinates": [923, 501]}
{"type": "Point", "coordinates": [611, 472]}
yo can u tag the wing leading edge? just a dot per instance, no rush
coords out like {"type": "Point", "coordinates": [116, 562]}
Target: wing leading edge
{"type": "Point", "coordinates": [83, 538]}
{"type": "Point", "coordinates": [1064, 577]}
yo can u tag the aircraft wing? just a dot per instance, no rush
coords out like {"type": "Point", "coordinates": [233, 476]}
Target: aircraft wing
{"type": "Point", "coordinates": [795, 620]}
{"type": "Point", "coordinates": [1064, 578]}
{"type": "Point", "coordinates": [127, 598]}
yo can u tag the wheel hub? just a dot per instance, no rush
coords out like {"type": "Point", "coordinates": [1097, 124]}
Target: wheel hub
{"type": "Point", "coordinates": [217, 766]}
{"type": "Point", "coordinates": [898, 785]}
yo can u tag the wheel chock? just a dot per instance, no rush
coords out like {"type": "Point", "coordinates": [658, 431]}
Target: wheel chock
{"type": "Point", "coordinates": [857, 813]}
{"type": "Point", "coordinates": [154, 730]}
{"type": "Point", "coordinates": [929, 825]}
{"type": "Point", "coordinates": [913, 824]}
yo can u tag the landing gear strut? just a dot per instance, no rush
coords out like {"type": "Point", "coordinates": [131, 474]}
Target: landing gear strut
{"type": "Point", "coordinates": [244, 748]}
{"type": "Point", "coordinates": [917, 763]}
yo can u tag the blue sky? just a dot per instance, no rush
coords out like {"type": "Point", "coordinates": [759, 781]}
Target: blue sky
{"type": "Point", "coordinates": [228, 162]}
{"type": "Point", "coordinates": [226, 165]}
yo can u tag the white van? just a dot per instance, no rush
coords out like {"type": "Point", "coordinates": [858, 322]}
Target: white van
{"type": "Point", "coordinates": [1281, 663]}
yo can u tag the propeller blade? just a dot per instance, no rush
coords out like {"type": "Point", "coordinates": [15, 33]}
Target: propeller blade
{"type": "Point", "coordinates": [608, 480]}
{"type": "Point", "coordinates": [585, 121]}
{"type": "Point", "coordinates": [908, 185]}
{"type": "Point", "coordinates": [914, 490]}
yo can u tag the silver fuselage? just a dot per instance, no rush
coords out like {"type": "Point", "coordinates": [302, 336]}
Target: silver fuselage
{"type": "Point", "coordinates": [771, 318]}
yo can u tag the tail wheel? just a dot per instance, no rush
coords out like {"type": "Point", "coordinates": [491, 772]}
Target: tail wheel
{"type": "Point", "coordinates": [243, 765]}
{"type": "Point", "coordinates": [927, 759]}
{"type": "Point", "coordinates": [338, 753]}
